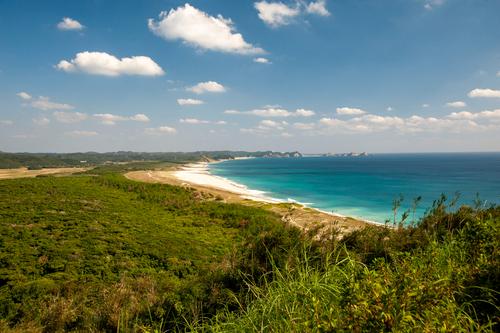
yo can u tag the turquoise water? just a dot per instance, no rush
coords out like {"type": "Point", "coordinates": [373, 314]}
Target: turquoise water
{"type": "Point", "coordinates": [365, 187]}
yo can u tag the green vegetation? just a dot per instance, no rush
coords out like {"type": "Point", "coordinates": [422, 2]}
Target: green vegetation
{"type": "Point", "coordinates": [97, 252]}
{"type": "Point", "coordinates": [440, 276]}
{"type": "Point", "coordinates": [52, 160]}
{"type": "Point", "coordinates": [104, 253]}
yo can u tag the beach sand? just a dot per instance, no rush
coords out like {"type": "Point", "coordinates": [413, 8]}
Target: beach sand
{"type": "Point", "coordinates": [197, 176]}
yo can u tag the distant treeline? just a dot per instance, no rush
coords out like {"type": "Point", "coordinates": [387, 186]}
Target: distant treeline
{"type": "Point", "coordinates": [48, 160]}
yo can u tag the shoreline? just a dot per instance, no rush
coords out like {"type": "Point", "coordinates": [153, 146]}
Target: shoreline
{"type": "Point", "coordinates": [197, 176]}
{"type": "Point", "coordinates": [249, 193]}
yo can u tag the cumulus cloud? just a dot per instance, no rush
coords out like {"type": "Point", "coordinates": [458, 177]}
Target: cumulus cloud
{"type": "Point", "coordinates": [486, 93]}
{"type": "Point", "coordinates": [162, 130]}
{"type": "Point", "coordinates": [425, 105]}
{"type": "Point", "coordinates": [304, 126]}
{"type": "Point", "coordinates": [268, 127]}
{"type": "Point", "coordinates": [68, 23]}
{"type": "Point", "coordinates": [102, 63]}
{"type": "Point", "coordinates": [350, 111]}
{"type": "Point", "coordinates": [140, 117]}
{"type": "Point", "coordinates": [6, 122]}
{"type": "Point", "coordinates": [69, 117]}
{"type": "Point", "coordinates": [42, 121]}
{"type": "Point", "coordinates": [24, 95]}
{"type": "Point", "coordinates": [78, 133]}
{"type": "Point", "coordinates": [198, 29]}
{"type": "Point", "coordinates": [318, 8]}
{"type": "Point", "coordinates": [271, 124]}
{"type": "Point", "coordinates": [44, 103]}
{"type": "Point", "coordinates": [431, 4]}
{"type": "Point", "coordinates": [276, 14]}
{"type": "Point", "coordinates": [457, 104]}
{"type": "Point", "coordinates": [209, 86]}
{"type": "Point", "coordinates": [498, 73]}
{"type": "Point", "coordinates": [189, 101]}
{"type": "Point", "coordinates": [112, 119]}
{"type": "Point", "coordinates": [195, 121]}
{"type": "Point", "coordinates": [486, 114]}
{"type": "Point", "coordinates": [261, 60]}
{"type": "Point", "coordinates": [273, 111]}
{"type": "Point", "coordinates": [455, 122]}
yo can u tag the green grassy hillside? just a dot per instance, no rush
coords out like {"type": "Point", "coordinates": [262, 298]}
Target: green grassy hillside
{"type": "Point", "coordinates": [96, 252]}
{"type": "Point", "coordinates": [104, 253]}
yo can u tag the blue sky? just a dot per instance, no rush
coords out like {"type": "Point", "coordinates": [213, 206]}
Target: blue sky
{"type": "Point", "coordinates": [314, 76]}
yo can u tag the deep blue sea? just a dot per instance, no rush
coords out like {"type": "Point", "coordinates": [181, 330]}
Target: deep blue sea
{"type": "Point", "coordinates": [365, 187]}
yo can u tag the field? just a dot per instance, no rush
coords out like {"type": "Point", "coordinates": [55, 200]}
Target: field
{"type": "Point", "coordinates": [101, 252]}
{"type": "Point", "coordinates": [26, 173]}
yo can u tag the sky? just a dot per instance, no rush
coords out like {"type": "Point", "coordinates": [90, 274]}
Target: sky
{"type": "Point", "coordinates": [309, 75]}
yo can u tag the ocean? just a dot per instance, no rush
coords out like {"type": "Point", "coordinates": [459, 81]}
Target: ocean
{"type": "Point", "coordinates": [365, 187]}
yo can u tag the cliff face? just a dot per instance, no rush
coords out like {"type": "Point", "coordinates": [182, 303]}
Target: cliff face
{"type": "Point", "coordinates": [283, 154]}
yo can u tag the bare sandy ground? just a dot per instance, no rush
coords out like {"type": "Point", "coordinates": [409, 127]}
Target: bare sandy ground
{"type": "Point", "coordinates": [292, 213]}
{"type": "Point", "coordinates": [25, 173]}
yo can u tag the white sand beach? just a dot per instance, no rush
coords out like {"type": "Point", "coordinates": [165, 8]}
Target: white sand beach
{"type": "Point", "coordinates": [198, 174]}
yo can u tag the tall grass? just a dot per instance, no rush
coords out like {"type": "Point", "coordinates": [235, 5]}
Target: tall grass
{"type": "Point", "coordinates": [440, 276]}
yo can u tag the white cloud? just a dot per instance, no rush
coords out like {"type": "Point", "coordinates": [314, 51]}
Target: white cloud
{"type": "Point", "coordinates": [194, 121]}
{"type": "Point", "coordinates": [68, 23]}
{"type": "Point", "coordinates": [318, 7]}
{"type": "Point", "coordinates": [6, 122]}
{"type": "Point", "coordinates": [189, 101]}
{"type": "Point", "coordinates": [108, 118]}
{"type": "Point", "coordinates": [140, 117]}
{"type": "Point", "coordinates": [425, 105]}
{"type": "Point", "coordinates": [456, 122]}
{"type": "Point", "coordinates": [457, 104]}
{"type": "Point", "coordinates": [82, 133]}
{"type": "Point", "coordinates": [69, 117]}
{"type": "Point", "coordinates": [42, 121]}
{"type": "Point", "coordinates": [487, 93]}
{"type": "Point", "coordinates": [268, 127]}
{"type": "Point", "coordinates": [350, 111]}
{"type": "Point", "coordinates": [112, 119]}
{"type": "Point", "coordinates": [498, 73]}
{"type": "Point", "coordinates": [274, 111]}
{"type": "Point", "coordinates": [232, 112]}
{"type": "Point", "coordinates": [44, 104]}
{"type": "Point", "coordinates": [276, 14]}
{"type": "Point", "coordinates": [271, 124]}
{"type": "Point", "coordinates": [160, 130]}
{"type": "Point", "coordinates": [304, 126]}
{"type": "Point", "coordinates": [390, 108]}
{"type": "Point", "coordinates": [486, 114]}
{"type": "Point", "coordinates": [24, 95]}
{"type": "Point", "coordinates": [431, 4]}
{"type": "Point", "coordinates": [270, 112]}
{"type": "Point", "coordinates": [196, 28]}
{"type": "Point", "coordinates": [303, 113]}
{"type": "Point", "coordinates": [261, 60]}
{"type": "Point", "coordinates": [286, 135]}
{"type": "Point", "coordinates": [102, 63]}
{"type": "Point", "coordinates": [209, 86]}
